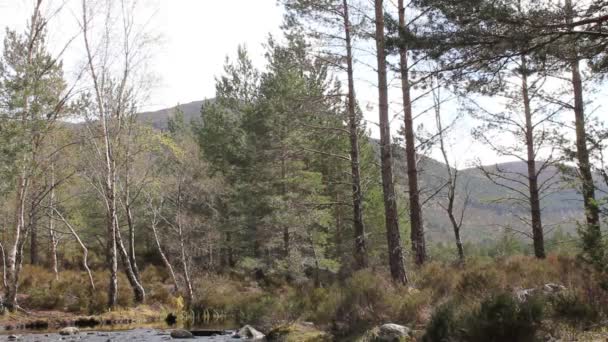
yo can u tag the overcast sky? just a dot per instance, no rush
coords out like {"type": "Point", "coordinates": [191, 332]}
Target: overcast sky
{"type": "Point", "coordinates": [197, 35]}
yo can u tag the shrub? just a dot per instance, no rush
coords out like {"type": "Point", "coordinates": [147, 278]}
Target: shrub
{"type": "Point", "coordinates": [438, 278]}
{"type": "Point", "coordinates": [368, 299]}
{"type": "Point", "coordinates": [572, 308]}
{"type": "Point", "coordinates": [477, 283]}
{"type": "Point", "coordinates": [416, 306]}
{"type": "Point", "coordinates": [443, 326]}
{"type": "Point", "coordinates": [502, 318]}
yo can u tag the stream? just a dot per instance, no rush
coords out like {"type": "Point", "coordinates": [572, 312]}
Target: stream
{"type": "Point", "coordinates": [151, 333]}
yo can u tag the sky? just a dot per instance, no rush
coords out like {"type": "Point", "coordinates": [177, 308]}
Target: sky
{"type": "Point", "coordinates": [195, 38]}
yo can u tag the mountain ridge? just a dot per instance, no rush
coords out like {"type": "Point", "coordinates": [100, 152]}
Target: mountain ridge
{"type": "Point", "coordinates": [485, 213]}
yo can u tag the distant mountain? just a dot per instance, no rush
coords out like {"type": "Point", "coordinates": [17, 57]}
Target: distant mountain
{"type": "Point", "coordinates": [485, 214]}
{"type": "Point", "coordinates": [159, 119]}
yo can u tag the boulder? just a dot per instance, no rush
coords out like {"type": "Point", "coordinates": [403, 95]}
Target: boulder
{"type": "Point", "coordinates": [69, 331]}
{"type": "Point", "coordinates": [389, 332]}
{"type": "Point", "coordinates": [549, 289]}
{"type": "Point", "coordinates": [392, 332]}
{"type": "Point", "coordinates": [250, 333]}
{"type": "Point", "coordinates": [181, 333]}
{"type": "Point", "coordinates": [523, 295]}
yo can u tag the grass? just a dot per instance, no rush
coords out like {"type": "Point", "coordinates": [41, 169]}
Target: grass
{"type": "Point", "coordinates": [351, 306]}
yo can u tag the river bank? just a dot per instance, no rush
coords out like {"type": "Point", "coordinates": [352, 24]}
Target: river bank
{"type": "Point", "coordinates": [53, 319]}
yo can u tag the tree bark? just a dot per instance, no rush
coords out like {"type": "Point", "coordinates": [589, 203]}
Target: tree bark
{"type": "Point", "coordinates": [182, 247]}
{"type": "Point", "coordinates": [395, 250]}
{"type": "Point", "coordinates": [85, 250]}
{"type": "Point", "coordinates": [353, 130]}
{"type": "Point", "coordinates": [416, 224]}
{"type": "Point", "coordinates": [52, 237]}
{"type": "Point", "coordinates": [535, 212]}
{"type": "Point", "coordinates": [112, 258]}
{"type": "Point", "coordinates": [14, 256]}
{"type": "Point", "coordinates": [4, 283]}
{"type": "Point", "coordinates": [452, 183]}
{"type": "Point", "coordinates": [34, 260]}
{"type": "Point", "coordinates": [138, 289]}
{"type": "Point", "coordinates": [592, 213]}
{"type": "Point", "coordinates": [163, 256]}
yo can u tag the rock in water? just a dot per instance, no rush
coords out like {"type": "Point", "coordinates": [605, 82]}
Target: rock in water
{"type": "Point", "coordinates": [250, 333]}
{"type": "Point", "coordinates": [392, 332]}
{"type": "Point", "coordinates": [180, 333]}
{"type": "Point", "coordinates": [69, 331]}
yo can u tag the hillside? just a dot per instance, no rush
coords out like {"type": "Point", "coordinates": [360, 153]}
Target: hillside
{"type": "Point", "coordinates": [159, 119]}
{"type": "Point", "coordinates": [485, 216]}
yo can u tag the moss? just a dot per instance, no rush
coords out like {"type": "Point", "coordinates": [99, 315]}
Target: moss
{"type": "Point", "coordinates": [298, 333]}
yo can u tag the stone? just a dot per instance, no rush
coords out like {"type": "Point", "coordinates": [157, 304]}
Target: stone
{"type": "Point", "coordinates": [552, 288]}
{"type": "Point", "coordinates": [549, 289]}
{"type": "Point", "coordinates": [250, 333]}
{"type": "Point", "coordinates": [391, 332]}
{"type": "Point", "coordinates": [524, 294]}
{"type": "Point", "coordinates": [13, 337]}
{"type": "Point", "coordinates": [181, 333]}
{"type": "Point", "coordinates": [69, 331]}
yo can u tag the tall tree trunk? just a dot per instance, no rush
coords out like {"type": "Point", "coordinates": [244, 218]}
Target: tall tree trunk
{"type": "Point", "coordinates": [355, 169]}
{"type": "Point", "coordinates": [395, 250]}
{"type": "Point", "coordinates": [593, 234]}
{"type": "Point", "coordinates": [138, 289]}
{"type": "Point", "coordinates": [14, 256]}
{"type": "Point", "coordinates": [34, 260]}
{"type": "Point", "coordinates": [112, 257]}
{"type": "Point", "coordinates": [338, 237]}
{"type": "Point", "coordinates": [230, 250]}
{"type": "Point", "coordinates": [456, 228]}
{"type": "Point", "coordinates": [128, 204]}
{"type": "Point", "coordinates": [537, 227]}
{"type": "Point", "coordinates": [163, 256]}
{"type": "Point", "coordinates": [4, 283]}
{"type": "Point", "coordinates": [131, 225]}
{"type": "Point", "coordinates": [182, 247]}
{"type": "Point", "coordinates": [52, 237]}
{"type": "Point", "coordinates": [416, 224]}
{"type": "Point", "coordinates": [452, 183]}
{"type": "Point", "coordinates": [286, 247]}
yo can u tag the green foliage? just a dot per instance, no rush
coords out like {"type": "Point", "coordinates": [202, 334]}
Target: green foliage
{"type": "Point", "coordinates": [574, 309]}
{"type": "Point", "coordinates": [443, 326]}
{"type": "Point", "coordinates": [501, 318]}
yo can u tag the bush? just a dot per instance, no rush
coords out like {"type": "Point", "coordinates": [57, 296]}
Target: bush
{"type": "Point", "coordinates": [443, 326]}
{"type": "Point", "coordinates": [416, 306]}
{"type": "Point", "coordinates": [478, 283]}
{"type": "Point", "coordinates": [438, 278]}
{"type": "Point", "coordinates": [572, 308]}
{"type": "Point", "coordinates": [368, 299]}
{"type": "Point", "coordinates": [502, 318]}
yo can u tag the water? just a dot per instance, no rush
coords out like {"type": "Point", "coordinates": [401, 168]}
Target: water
{"type": "Point", "coordinates": [151, 333]}
{"type": "Point", "coordinates": [142, 334]}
